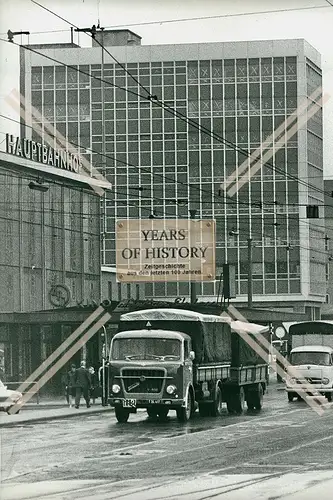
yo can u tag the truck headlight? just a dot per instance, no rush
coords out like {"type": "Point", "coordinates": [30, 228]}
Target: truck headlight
{"type": "Point", "coordinates": [292, 380]}
{"type": "Point", "coordinates": [115, 388]}
{"type": "Point", "coordinates": [325, 380]}
{"type": "Point", "coordinates": [171, 389]}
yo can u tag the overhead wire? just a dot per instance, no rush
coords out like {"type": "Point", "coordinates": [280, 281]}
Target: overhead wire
{"type": "Point", "coordinates": [197, 18]}
{"type": "Point", "coordinates": [161, 103]}
{"type": "Point", "coordinates": [197, 125]}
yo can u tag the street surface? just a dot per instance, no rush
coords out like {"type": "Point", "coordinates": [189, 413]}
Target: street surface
{"type": "Point", "coordinates": [227, 454]}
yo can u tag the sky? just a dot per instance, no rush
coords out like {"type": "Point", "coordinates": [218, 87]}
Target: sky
{"type": "Point", "coordinates": [240, 20]}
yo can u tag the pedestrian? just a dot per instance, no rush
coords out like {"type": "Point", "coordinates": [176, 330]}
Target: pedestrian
{"type": "Point", "coordinates": [82, 382]}
{"type": "Point", "coordinates": [71, 385]}
{"type": "Point", "coordinates": [94, 384]}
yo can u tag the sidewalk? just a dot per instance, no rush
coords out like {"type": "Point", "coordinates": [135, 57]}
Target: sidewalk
{"type": "Point", "coordinates": [49, 409]}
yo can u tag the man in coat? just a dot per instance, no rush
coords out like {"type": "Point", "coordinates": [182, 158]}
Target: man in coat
{"type": "Point", "coordinates": [83, 383]}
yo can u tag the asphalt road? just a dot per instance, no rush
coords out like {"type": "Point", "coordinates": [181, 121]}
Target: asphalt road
{"type": "Point", "coordinates": [283, 438]}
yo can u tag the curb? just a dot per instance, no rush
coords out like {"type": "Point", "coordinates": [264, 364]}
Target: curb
{"type": "Point", "coordinates": [53, 417]}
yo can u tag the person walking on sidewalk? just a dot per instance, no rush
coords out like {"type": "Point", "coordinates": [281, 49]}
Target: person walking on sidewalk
{"type": "Point", "coordinates": [94, 384]}
{"type": "Point", "coordinates": [83, 384]}
{"type": "Point", "coordinates": [71, 385]}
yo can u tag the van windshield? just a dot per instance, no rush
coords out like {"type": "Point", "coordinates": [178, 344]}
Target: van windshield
{"type": "Point", "coordinates": [310, 358]}
{"type": "Point", "coordinates": [146, 348]}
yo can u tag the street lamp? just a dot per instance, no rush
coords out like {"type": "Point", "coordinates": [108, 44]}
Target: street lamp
{"type": "Point", "coordinates": [250, 269]}
{"type": "Point", "coordinates": [38, 186]}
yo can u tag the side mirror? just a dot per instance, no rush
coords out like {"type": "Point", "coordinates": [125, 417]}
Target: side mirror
{"type": "Point", "coordinates": [192, 355]}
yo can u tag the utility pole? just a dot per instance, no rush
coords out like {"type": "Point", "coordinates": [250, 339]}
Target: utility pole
{"type": "Point", "coordinates": [249, 276]}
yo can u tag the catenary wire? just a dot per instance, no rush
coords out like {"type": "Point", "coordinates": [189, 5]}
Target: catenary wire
{"type": "Point", "coordinates": [187, 120]}
{"type": "Point", "coordinates": [284, 173]}
{"type": "Point", "coordinates": [183, 117]}
{"type": "Point", "coordinates": [176, 113]}
{"type": "Point", "coordinates": [198, 18]}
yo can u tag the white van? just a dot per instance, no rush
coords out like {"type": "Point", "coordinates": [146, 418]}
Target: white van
{"type": "Point", "coordinates": [312, 370]}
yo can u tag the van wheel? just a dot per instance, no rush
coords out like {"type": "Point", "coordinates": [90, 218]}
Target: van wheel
{"type": "Point", "coordinates": [291, 396]}
{"type": "Point", "coordinates": [14, 413]}
{"type": "Point", "coordinates": [122, 415]}
{"type": "Point", "coordinates": [184, 412]}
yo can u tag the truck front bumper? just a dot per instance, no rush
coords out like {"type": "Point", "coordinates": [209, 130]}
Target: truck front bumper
{"type": "Point", "coordinates": [133, 404]}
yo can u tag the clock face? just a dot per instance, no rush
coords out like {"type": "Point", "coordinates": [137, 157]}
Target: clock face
{"type": "Point", "coordinates": [59, 295]}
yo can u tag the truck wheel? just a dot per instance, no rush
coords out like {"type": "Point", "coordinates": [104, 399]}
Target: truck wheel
{"type": "Point", "coordinates": [258, 397]}
{"type": "Point", "coordinates": [291, 396]}
{"type": "Point", "coordinates": [216, 408]}
{"type": "Point", "coordinates": [328, 396]}
{"type": "Point", "coordinates": [239, 399]}
{"type": "Point", "coordinates": [163, 413]}
{"type": "Point", "coordinates": [250, 400]}
{"type": "Point", "coordinates": [184, 412]}
{"type": "Point", "coordinates": [121, 414]}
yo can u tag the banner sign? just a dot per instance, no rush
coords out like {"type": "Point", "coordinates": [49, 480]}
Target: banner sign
{"type": "Point", "coordinates": [41, 153]}
{"type": "Point", "coordinates": [165, 250]}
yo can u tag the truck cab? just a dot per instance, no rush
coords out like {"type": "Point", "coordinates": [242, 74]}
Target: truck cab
{"type": "Point", "coordinates": [150, 369]}
{"type": "Point", "coordinates": [311, 369]}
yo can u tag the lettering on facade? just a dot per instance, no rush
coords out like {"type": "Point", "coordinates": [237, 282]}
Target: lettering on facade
{"type": "Point", "coordinates": [165, 250]}
{"type": "Point", "coordinates": [41, 153]}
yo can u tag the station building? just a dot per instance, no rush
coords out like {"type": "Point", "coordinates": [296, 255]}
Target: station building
{"type": "Point", "coordinates": [50, 217]}
{"type": "Point", "coordinates": [243, 92]}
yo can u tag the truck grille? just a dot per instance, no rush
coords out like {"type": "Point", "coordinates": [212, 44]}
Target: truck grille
{"type": "Point", "coordinates": [142, 380]}
{"type": "Point", "coordinates": [313, 380]}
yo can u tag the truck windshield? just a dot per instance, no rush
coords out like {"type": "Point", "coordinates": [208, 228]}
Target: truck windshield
{"type": "Point", "coordinates": [146, 348]}
{"type": "Point", "coordinates": [310, 358]}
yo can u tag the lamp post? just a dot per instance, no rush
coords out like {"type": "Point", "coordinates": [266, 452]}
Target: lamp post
{"type": "Point", "coordinates": [249, 275]}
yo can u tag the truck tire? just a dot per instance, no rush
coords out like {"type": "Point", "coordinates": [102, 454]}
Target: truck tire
{"type": "Point", "coordinates": [216, 406]}
{"type": "Point", "coordinates": [184, 413]}
{"type": "Point", "coordinates": [258, 397]}
{"type": "Point", "coordinates": [236, 400]}
{"type": "Point", "coordinates": [250, 400]}
{"type": "Point", "coordinates": [122, 415]}
{"type": "Point", "coordinates": [239, 400]}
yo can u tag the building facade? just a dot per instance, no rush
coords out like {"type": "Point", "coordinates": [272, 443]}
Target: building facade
{"type": "Point", "coordinates": [49, 251]}
{"type": "Point", "coordinates": [160, 163]}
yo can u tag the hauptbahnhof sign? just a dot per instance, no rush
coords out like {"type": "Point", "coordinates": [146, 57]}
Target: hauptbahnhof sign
{"type": "Point", "coordinates": [41, 153]}
{"type": "Point", "coordinates": [165, 250]}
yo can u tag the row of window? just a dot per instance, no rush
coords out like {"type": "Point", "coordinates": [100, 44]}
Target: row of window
{"type": "Point", "coordinates": [278, 67]}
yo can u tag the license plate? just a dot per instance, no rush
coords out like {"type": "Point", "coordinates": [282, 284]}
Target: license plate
{"type": "Point", "coordinates": [129, 403]}
{"type": "Point", "coordinates": [154, 401]}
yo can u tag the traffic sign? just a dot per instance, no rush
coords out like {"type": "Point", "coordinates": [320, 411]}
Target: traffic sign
{"type": "Point", "coordinates": [280, 332]}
